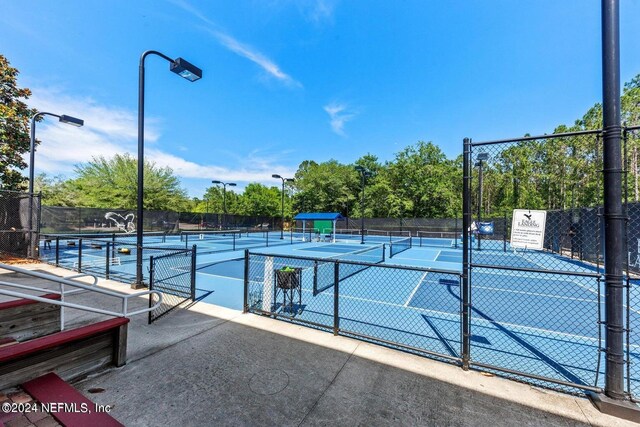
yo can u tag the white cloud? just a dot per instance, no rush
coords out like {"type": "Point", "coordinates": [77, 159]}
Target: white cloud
{"type": "Point", "coordinates": [338, 116]}
{"type": "Point", "coordinates": [241, 49]}
{"type": "Point", "coordinates": [110, 130]}
{"type": "Point", "coordinates": [321, 10]}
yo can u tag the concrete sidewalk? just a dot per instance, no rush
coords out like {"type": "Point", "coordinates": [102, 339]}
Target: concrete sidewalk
{"type": "Point", "coordinates": [213, 366]}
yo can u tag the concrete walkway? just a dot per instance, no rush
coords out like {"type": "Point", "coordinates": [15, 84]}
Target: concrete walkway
{"type": "Point", "coordinates": [213, 366]}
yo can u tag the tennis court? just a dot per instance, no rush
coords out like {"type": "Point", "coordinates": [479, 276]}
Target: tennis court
{"type": "Point", "coordinates": [545, 324]}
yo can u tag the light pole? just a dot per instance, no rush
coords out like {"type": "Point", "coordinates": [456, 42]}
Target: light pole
{"type": "Point", "coordinates": [183, 69]}
{"type": "Point", "coordinates": [481, 157]}
{"type": "Point", "coordinates": [364, 173]}
{"type": "Point", "coordinates": [224, 199]}
{"type": "Point", "coordinates": [32, 154]}
{"type": "Point", "coordinates": [275, 175]}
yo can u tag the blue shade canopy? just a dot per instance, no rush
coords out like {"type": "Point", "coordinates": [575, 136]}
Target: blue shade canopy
{"type": "Point", "coordinates": [318, 216]}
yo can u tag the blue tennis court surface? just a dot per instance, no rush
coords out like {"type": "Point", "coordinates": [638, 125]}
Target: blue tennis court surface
{"type": "Point", "coordinates": [541, 323]}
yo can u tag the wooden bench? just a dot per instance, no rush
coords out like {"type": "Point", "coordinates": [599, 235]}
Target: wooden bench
{"type": "Point", "coordinates": [25, 319]}
{"type": "Point", "coordinates": [71, 354]}
{"type": "Point", "coordinates": [50, 389]}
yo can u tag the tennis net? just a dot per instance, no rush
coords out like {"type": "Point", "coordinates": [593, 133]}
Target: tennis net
{"type": "Point", "coordinates": [438, 239]}
{"type": "Point", "coordinates": [195, 236]}
{"type": "Point", "coordinates": [399, 246]}
{"type": "Point", "coordinates": [324, 272]}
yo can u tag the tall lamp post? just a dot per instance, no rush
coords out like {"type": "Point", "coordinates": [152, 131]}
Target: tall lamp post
{"type": "Point", "coordinates": [364, 174]}
{"type": "Point", "coordinates": [183, 69]}
{"type": "Point", "coordinates": [480, 158]}
{"type": "Point", "coordinates": [32, 154]}
{"type": "Point", "coordinates": [275, 175]}
{"type": "Point", "coordinates": [224, 199]}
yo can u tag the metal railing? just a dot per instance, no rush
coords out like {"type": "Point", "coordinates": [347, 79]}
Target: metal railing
{"type": "Point", "coordinates": [79, 287]}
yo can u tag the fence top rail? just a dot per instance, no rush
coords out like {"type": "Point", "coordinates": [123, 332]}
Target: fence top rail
{"type": "Point", "coordinates": [533, 138]}
{"type": "Point", "coordinates": [537, 270]}
{"type": "Point", "coordinates": [368, 264]}
{"type": "Point", "coordinates": [177, 252]}
{"type": "Point", "coordinates": [632, 128]}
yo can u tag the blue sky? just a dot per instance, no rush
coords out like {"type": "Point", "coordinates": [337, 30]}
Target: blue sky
{"type": "Point", "coordinates": [290, 80]}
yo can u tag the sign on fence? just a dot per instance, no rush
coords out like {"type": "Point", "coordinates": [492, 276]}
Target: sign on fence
{"type": "Point", "coordinates": [527, 229]}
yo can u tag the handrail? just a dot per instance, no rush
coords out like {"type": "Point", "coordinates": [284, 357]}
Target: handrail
{"type": "Point", "coordinates": [62, 281]}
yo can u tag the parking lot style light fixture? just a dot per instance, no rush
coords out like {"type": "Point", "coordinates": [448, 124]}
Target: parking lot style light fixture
{"type": "Point", "coordinates": [224, 199]}
{"type": "Point", "coordinates": [364, 174]}
{"type": "Point", "coordinates": [188, 71]}
{"type": "Point", "coordinates": [73, 121]}
{"type": "Point", "coordinates": [275, 175]}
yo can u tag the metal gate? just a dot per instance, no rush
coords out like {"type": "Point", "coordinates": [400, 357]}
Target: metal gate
{"type": "Point", "coordinates": [535, 315]}
{"type": "Point", "coordinates": [174, 275]}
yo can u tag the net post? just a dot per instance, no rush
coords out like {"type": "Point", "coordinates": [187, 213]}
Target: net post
{"type": "Point", "coordinates": [384, 250]}
{"type": "Point", "coordinates": [336, 293]}
{"type": "Point", "coordinates": [455, 233]}
{"type": "Point", "coordinates": [106, 267]}
{"type": "Point", "coordinates": [245, 300]}
{"type": "Point", "coordinates": [57, 251]}
{"type": "Point", "coordinates": [193, 273]}
{"type": "Point", "coordinates": [466, 268]}
{"type": "Point", "coordinates": [315, 277]}
{"type": "Point", "coordinates": [79, 255]}
{"type": "Point", "coordinates": [504, 236]}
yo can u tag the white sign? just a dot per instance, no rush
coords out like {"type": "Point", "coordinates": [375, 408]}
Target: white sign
{"type": "Point", "coordinates": [527, 229]}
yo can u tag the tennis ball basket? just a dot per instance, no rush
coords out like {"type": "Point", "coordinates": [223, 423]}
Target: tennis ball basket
{"type": "Point", "coordinates": [288, 280]}
{"type": "Point", "coordinates": [288, 277]}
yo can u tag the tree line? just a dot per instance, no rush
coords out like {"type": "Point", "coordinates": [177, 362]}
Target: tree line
{"type": "Point", "coordinates": [419, 182]}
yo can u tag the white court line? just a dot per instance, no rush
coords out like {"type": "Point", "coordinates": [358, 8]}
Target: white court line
{"type": "Point", "coordinates": [535, 294]}
{"type": "Point", "coordinates": [457, 316]}
{"type": "Point", "coordinates": [216, 275]}
{"type": "Point", "coordinates": [406, 304]}
{"type": "Point", "coordinates": [437, 255]}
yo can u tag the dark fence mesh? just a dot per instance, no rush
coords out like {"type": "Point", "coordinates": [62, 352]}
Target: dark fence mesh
{"type": "Point", "coordinates": [56, 219]}
{"type": "Point", "coordinates": [414, 309]}
{"type": "Point", "coordinates": [15, 233]}
{"type": "Point", "coordinates": [632, 210]}
{"type": "Point", "coordinates": [536, 312]}
{"type": "Point", "coordinates": [173, 275]}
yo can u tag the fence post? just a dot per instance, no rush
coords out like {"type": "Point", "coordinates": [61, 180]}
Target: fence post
{"type": "Point", "coordinates": [193, 273]}
{"type": "Point", "coordinates": [245, 304]}
{"type": "Point", "coordinates": [234, 240]}
{"type": "Point", "coordinates": [107, 259]}
{"type": "Point", "coordinates": [336, 293]}
{"type": "Point", "coordinates": [57, 251]}
{"type": "Point", "coordinates": [466, 267]}
{"type": "Point", "coordinates": [384, 249]}
{"type": "Point", "coordinates": [151, 278]}
{"type": "Point", "coordinates": [79, 255]}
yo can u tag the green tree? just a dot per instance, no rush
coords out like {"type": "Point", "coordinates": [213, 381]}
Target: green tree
{"type": "Point", "coordinates": [112, 183]}
{"type": "Point", "coordinates": [14, 126]}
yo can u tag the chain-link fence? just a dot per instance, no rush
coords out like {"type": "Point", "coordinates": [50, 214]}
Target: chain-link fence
{"type": "Point", "coordinates": [17, 230]}
{"type": "Point", "coordinates": [536, 312]}
{"type": "Point", "coordinates": [174, 275]}
{"type": "Point", "coordinates": [410, 308]}
{"type": "Point", "coordinates": [631, 150]}
{"type": "Point", "coordinates": [58, 219]}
